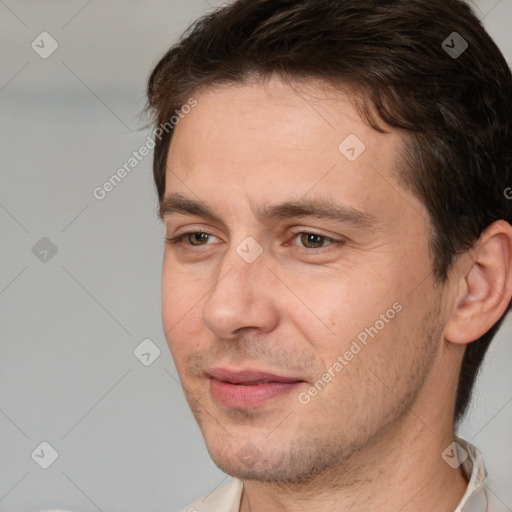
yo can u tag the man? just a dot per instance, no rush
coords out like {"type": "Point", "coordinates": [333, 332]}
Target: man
{"type": "Point", "coordinates": [333, 188]}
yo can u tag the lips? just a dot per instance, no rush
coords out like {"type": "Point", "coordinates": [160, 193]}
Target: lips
{"type": "Point", "coordinates": [248, 377]}
{"type": "Point", "coordinates": [244, 389]}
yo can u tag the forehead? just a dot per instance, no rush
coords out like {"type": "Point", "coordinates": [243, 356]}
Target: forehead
{"type": "Point", "coordinates": [271, 141]}
{"type": "Point", "coordinates": [262, 118]}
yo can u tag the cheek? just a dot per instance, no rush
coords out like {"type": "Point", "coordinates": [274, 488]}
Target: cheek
{"type": "Point", "coordinates": [180, 290]}
{"type": "Point", "coordinates": [182, 301]}
{"type": "Point", "coordinates": [340, 306]}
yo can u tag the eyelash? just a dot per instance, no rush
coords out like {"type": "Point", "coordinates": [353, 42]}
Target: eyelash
{"type": "Point", "coordinates": [179, 239]}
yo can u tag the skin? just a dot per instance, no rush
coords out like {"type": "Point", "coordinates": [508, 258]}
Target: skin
{"type": "Point", "coordinates": [372, 438]}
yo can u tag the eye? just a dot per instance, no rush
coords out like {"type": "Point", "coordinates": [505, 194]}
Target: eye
{"type": "Point", "coordinates": [193, 238]}
{"type": "Point", "coordinates": [314, 240]}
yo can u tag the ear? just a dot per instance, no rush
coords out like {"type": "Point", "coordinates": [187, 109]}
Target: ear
{"type": "Point", "coordinates": [484, 285]}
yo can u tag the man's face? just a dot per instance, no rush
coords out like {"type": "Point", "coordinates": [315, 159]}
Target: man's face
{"type": "Point", "coordinates": [299, 339]}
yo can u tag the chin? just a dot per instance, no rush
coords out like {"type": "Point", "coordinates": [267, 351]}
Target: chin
{"type": "Point", "coordinates": [284, 466]}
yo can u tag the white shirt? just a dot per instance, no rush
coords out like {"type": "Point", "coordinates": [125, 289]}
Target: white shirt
{"type": "Point", "coordinates": [477, 497]}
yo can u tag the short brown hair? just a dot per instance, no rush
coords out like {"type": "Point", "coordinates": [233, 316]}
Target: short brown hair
{"type": "Point", "coordinates": [455, 109]}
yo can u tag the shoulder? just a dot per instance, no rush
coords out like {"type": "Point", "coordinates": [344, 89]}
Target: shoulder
{"type": "Point", "coordinates": [225, 498]}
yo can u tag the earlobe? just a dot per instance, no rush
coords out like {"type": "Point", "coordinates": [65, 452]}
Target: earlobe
{"type": "Point", "coordinates": [485, 285]}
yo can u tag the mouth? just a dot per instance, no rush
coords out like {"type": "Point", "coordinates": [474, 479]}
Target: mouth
{"type": "Point", "coordinates": [245, 389]}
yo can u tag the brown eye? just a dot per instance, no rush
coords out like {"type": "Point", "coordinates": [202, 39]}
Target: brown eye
{"type": "Point", "coordinates": [187, 241]}
{"type": "Point", "coordinates": [197, 238]}
{"type": "Point", "coordinates": [312, 240]}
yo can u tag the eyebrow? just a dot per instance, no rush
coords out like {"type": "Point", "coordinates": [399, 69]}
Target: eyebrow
{"type": "Point", "coordinates": [324, 209]}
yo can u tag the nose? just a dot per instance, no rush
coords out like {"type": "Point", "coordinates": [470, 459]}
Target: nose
{"type": "Point", "coordinates": [241, 298]}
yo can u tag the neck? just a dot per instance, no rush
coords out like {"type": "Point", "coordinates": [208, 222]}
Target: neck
{"type": "Point", "coordinates": [402, 470]}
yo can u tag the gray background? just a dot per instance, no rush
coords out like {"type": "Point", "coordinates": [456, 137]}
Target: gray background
{"type": "Point", "coordinates": [68, 376]}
